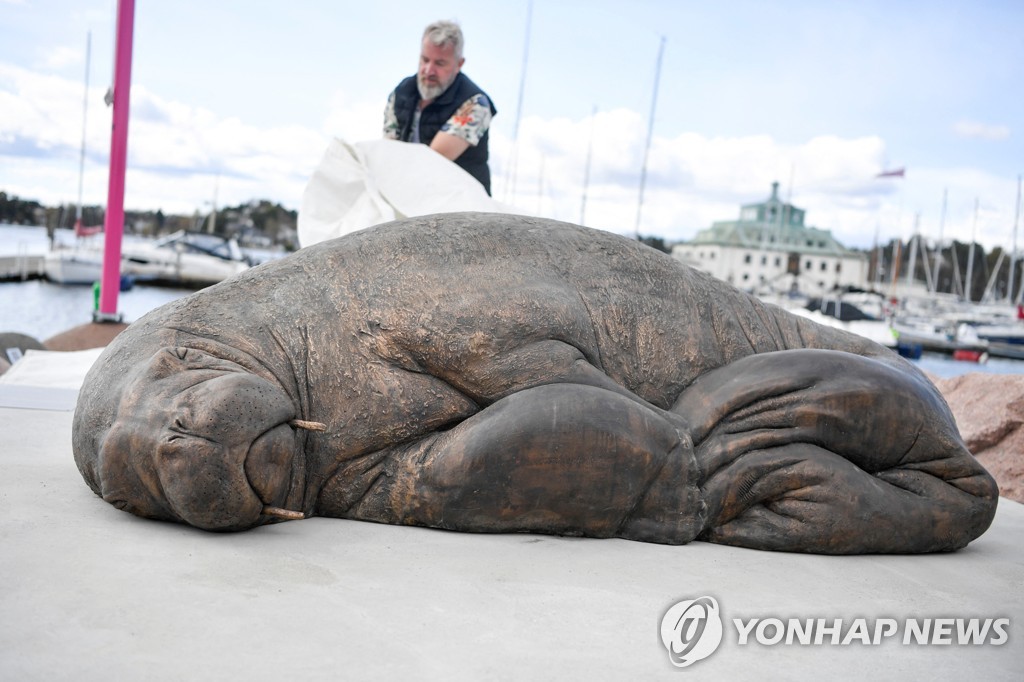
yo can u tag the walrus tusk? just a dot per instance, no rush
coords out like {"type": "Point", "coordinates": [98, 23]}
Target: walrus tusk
{"type": "Point", "coordinates": [311, 426]}
{"type": "Point", "coordinates": [286, 514]}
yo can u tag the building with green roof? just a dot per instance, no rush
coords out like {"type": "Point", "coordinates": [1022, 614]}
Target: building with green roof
{"type": "Point", "coordinates": [770, 249]}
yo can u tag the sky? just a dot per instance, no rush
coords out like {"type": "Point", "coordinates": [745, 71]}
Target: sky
{"type": "Point", "coordinates": [234, 100]}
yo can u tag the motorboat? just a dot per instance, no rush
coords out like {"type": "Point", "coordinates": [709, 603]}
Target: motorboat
{"type": "Point", "coordinates": [858, 312]}
{"type": "Point", "coordinates": [872, 329]}
{"type": "Point", "coordinates": [187, 259]}
{"type": "Point", "coordinates": [190, 259]}
{"type": "Point", "coordinates": [938, 335]}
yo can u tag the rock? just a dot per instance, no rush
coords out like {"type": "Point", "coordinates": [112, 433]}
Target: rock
{"type": "Point", "coordinates": [22, 342]}
{"type": "Point", "coordinates": [82, 337]}
{"type": "Point", "coordinates": [13, 345]}
{"type": "Point", "coordinates": [989, 411]}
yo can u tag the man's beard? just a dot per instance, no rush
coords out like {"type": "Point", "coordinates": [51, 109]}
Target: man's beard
{"type": "Point", "coordinates": [431, 92]}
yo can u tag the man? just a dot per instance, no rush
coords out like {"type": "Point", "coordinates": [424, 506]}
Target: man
{"type": "Point", "coordinates": [441, 107]}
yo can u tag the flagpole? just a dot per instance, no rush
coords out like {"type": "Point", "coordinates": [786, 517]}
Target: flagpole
{"type": "Point", "coordinates": [895, 173]}
{"type": "Point", "coordinates": [110, 282]}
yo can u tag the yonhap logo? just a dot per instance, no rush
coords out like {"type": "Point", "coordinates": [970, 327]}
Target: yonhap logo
{"type": "Point", "coordinates": [691, 630]}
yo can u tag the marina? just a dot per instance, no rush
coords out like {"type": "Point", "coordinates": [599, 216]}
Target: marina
{"type": "Point", "coordinates": [42, 309]}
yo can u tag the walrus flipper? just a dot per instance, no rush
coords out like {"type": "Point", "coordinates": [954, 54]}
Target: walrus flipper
{"type": "Point", "coordinates": [562, 458]}
{"type": "Point", "coordinates": [823, 451]}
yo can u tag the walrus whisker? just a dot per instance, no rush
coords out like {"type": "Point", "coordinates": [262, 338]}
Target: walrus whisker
{"type": "Point", "coordinates": [308, 425]}
{"type": "Point", "coordinates": [286, 514]}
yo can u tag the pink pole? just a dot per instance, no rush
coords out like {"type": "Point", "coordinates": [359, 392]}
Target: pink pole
{"type": "Point", "coordinates": [110, 283]}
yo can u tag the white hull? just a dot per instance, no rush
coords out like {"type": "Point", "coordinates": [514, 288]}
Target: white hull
{"type": "Point", "coordinates": [148, 263]}
{"type": "Point", "coordinates": [73, 266]}
{"type": "Point", "coordinates": [186, 260]}
{"type": "Point", "coordinates": [878, 331]}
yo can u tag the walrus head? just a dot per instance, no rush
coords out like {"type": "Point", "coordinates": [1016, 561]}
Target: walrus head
{"type": "Point", "coordinates": [198, 439]}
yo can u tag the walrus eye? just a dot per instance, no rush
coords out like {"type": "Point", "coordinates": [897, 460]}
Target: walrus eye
{"type": "Point", "coordinates": [181, 352]}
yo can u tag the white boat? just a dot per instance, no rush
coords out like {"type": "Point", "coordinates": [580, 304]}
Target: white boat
{"type": "Point", "coordinates": [186, 259]}
{"type": "Point", "coordinates": [857, 312]}
{"type": "Point", "coordinates": [73, 265]}
{"type": "Point", "coordinates": [878, 331]}
{"type": "Point", "coordinates": [938, 335]}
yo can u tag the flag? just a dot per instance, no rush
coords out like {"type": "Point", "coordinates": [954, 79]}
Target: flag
{"type": "Point", "coordinates": [895, 173]}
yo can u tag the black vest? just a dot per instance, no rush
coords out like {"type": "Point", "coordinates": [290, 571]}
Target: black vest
{"type": "Point", "coordinates": [435, 114]}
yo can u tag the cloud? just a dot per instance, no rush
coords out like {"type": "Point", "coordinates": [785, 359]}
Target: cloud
{"type": "Point", "coordinates": [23, 146]}
{"type": "Point", "coordinates": [692, 180]}
{"type": "Point", "coordinates": [178, 154]}
{"type": "Point", "coordinates": [353, 120]}
{"type": "Point", "coordinates": [61, 56]}
{"type": "Point", "coordinates": [181, 155]}
{"type": "Point", "coordinates": [981, 131]}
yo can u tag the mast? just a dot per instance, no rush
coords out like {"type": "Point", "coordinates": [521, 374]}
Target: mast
{"type": "Point", "coordinates": [957, 287]}
{"type": "Point", "coordinates": [1013, 251]}
{"type": "Point", "coordinates": [586, 168]}
{"type": "Point", "coordinates": [970, 255]}
{"type": "Point", "coordinates": [938, 250]}
{"type": "Point", "coordinates": [81, 157]}
{"type": "Point", "coordinates": [896, 268]}
{"type": "Point", "coordinates": [650, 131]}
{"type": "Point", "coordinates": [912, 249]}
{"type": "Point", "coordinates": [540, 186]}
{"type": "Point", "coordinates": [923, 249]}
{"type": "Point", "coordinates": [114, 223]}
{"type": "Point", "coordinates": [510, 175]}
{"type": "Point", "coordinates": [212, 221]}
{"type": "Point", "coordinates": [878, 256]}
{"type": "Point", "coordinates": [875, 249]}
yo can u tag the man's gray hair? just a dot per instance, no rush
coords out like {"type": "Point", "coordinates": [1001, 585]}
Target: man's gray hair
{"type": "Point", "coordinates": [443, 33]}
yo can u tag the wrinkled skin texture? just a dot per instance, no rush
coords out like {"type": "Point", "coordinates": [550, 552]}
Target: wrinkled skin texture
{"type": "Point", "coordinates": [497, 373]}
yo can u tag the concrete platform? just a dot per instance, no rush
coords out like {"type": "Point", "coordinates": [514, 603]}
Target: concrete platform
{"type": "Point", "coordinates": [92, 593]}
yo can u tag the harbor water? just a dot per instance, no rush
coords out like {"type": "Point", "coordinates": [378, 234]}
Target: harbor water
{"type": "Point", "coordinates": [42, 309]}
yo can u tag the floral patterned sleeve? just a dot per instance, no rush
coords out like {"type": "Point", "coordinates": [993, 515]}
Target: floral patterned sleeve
{"type": "Point", "coordinates": [471, 120]}
{"type": "Point", "coordinates": [391, 130]}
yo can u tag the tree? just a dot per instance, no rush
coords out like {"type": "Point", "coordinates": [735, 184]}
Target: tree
{"type": "Point", "coordinates": [655, 243]}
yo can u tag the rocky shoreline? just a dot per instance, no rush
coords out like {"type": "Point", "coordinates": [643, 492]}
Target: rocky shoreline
{"type": "Point", "coordinates": [989, 408]}
{"type": "Point", "coordinates": [989, 411]}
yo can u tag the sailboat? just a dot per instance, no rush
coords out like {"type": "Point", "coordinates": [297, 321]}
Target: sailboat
{"type": "Point", "coordinates": [182, 259]}
{"type": "Point", "coordinates": [83, 262]}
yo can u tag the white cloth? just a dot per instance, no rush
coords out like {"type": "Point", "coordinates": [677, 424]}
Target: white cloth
{"type": "Point", "coordinates": [51, 369]}
{"type": "Point", "coordinates": [367, 183]}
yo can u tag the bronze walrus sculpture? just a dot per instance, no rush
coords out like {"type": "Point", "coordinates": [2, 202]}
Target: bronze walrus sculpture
{"type": "Point", "coordinates": [497, 373]}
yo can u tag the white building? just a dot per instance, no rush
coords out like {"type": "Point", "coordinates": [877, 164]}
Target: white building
{"type": "Point", "coordinates": [770, 249]}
